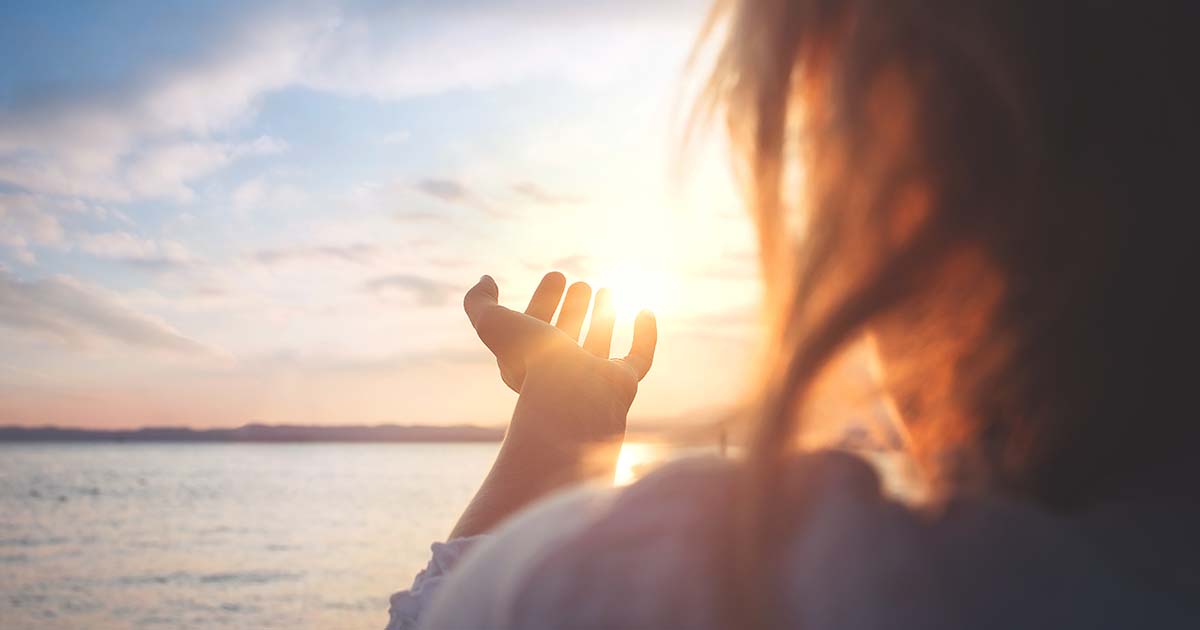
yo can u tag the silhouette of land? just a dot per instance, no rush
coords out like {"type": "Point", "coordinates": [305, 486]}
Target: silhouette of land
{"type": "Point", "coordinates": [708, 427]}
{"type": "Point", "coordinates": [260, 433]}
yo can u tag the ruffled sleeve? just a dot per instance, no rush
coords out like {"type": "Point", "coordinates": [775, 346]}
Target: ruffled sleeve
{"type": "Point", "coordinates": [406, 606]}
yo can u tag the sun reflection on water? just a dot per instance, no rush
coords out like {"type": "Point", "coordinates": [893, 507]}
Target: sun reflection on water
{"type": "Point", "coordinates": [635, 460]}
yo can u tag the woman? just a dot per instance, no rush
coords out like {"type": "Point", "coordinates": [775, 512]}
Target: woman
{"type": "Point", "coordinates": [996, 196]}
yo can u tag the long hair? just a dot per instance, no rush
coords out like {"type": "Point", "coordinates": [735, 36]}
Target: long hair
{"type": "Point", "coordinates": [1000, 194]}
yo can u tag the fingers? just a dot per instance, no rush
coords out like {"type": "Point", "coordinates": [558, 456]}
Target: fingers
{"type": "Point", "coordinates": [645, 338]}
{"type": "Point", "coordinates": [574, 309]}
{"type": "Point", "coordinates": [545, 299]}
{"type": "Point", "coordinates": [599, 337]}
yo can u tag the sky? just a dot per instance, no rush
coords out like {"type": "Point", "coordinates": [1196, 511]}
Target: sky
{"type": "Point", "coordinates": [214, 213]}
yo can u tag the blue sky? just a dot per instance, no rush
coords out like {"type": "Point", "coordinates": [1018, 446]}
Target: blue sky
{"type": "Point", "coordinates": [221, 212]}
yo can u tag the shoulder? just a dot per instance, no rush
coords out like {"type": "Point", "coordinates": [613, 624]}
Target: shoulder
{"type": "Point", "coordinates": [650, 555]}
{"type": "Point", "coordinates": [642, 555]}
{"type": "Point", "coordinates": [659, 556]}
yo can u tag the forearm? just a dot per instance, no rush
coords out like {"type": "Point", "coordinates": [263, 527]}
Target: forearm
{"type": "Point", "coordinates": [537, 457]}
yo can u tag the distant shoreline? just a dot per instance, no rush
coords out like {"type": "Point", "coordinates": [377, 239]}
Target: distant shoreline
{"type": "Point", "coordinates": [258, 433]}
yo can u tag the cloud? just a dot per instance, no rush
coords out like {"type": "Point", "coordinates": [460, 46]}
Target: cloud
{"type": "Point", "coordinates": [75, 314]}
{"type": "Point", "coordinates": [357, 253]}
{"type": "Point", "coordinates": [155, 127]}
{"type": "Point", "coordinates": [398, 51]}
{"type": "Point", "coordinates": [537, 194]}
{"type": "Point", "coordinates": [153, 171]}
{"type": "Point", "coordinates": [454, 192]}
{"type": "Point", "coordinates": [23, 224]}
{"type": "Point", "coordinates": [128, 248]}
{"type": "Point", "coordinates": [151, 129]}
{"type": "Point", "coordinates": [111, 214]}
{"type": "Point", "coordinates": [385, 364]}
{"type": "Point", "coordinates": [194, 93]}
{"type": "Point", "coordinates": [426, 291]}
{"type": "Point", "coordinates": [447, 190]}
{"type": "Point", "coordinates": [258, 193]}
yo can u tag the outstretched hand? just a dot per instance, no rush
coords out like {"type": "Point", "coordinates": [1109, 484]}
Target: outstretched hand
{"type": "Point", "coordinates": [569, 421]}
{"type": "Point", "coordinates": [525, 341]}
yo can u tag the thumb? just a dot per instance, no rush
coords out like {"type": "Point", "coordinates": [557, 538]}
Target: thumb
{"type": "Point", "coordinates": [480, 298]}
{"type": "Point", "coordinates": [499, 328]}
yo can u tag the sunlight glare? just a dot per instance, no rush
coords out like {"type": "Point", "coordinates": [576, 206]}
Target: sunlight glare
{"type": "Point", "coordinates": [638, 287]}
{"type": "Point", "coordinates": [635, 460]}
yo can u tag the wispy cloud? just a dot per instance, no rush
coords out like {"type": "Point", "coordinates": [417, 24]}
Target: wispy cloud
{"type": "Point", "coordinates": [264, 161]}
{"type": "Point", "coordinates": [150, 130]}
{"type": "Point", "coordinates": [420, 216]}
{"type": "Point", "coordinates": [455, 192]}
{"type": "Point", "coordinates": [163, 118]}
{"type": "Point", "coordinates": [164, 170]}
{"type": "Point", "coordinates": [128, 248]}
{"type": "Point", "coordinates": [532, 192]}
{"type": "Point", "coordinates": [357, 253]}
{"type": "Point", "coordinates": [23, 224]}
{"type": "Point", "coordinates": [448, 190]}
{"type": "Point", "coordinates": [387, 364]}
{"type": "Point", "coordinates": [73, 313]}
{"type": "Point", "coordinates": [258, 192]}
{"type": "Point", "coordinates": [425, 291]}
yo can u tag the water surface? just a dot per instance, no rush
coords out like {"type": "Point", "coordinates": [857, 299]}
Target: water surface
{"type": "Point", "coordinates": [221, 535]}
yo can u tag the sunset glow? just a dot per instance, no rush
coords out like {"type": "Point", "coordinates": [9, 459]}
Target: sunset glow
{"type": "Point", "coordinates": [253, 223]}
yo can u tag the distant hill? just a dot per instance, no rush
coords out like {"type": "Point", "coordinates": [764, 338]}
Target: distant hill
{"type": "Point", "coordinates": [259, 433]}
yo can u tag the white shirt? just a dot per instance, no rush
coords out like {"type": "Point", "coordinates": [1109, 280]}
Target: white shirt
{"type": "Point", "coordinates": [645, 557]}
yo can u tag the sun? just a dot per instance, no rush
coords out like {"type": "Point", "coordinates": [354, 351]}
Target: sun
{"type": "Point", "coordinates": [637, 287]}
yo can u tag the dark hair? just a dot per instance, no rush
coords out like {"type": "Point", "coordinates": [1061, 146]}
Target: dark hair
{"type": "Point", "coordinates": [1002, 193]}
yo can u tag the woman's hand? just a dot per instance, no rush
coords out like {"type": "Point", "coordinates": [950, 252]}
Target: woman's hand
{"type": "Point", "coordinates": [525, 343]}
{"type": "Point", "coordinates": [569, 421]}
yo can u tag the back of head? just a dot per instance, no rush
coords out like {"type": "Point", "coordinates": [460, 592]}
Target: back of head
{"type": "Point", "coordinates": [1000, 193]}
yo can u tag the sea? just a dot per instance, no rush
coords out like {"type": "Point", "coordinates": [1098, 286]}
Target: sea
{"type": "Point", "coordinates": [102, 535]}
{"type": "Point", "coordinates": [125, 535]}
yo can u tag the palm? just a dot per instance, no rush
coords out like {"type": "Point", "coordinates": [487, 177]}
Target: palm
{"type": "Point", "coordinates": [517, 339]}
